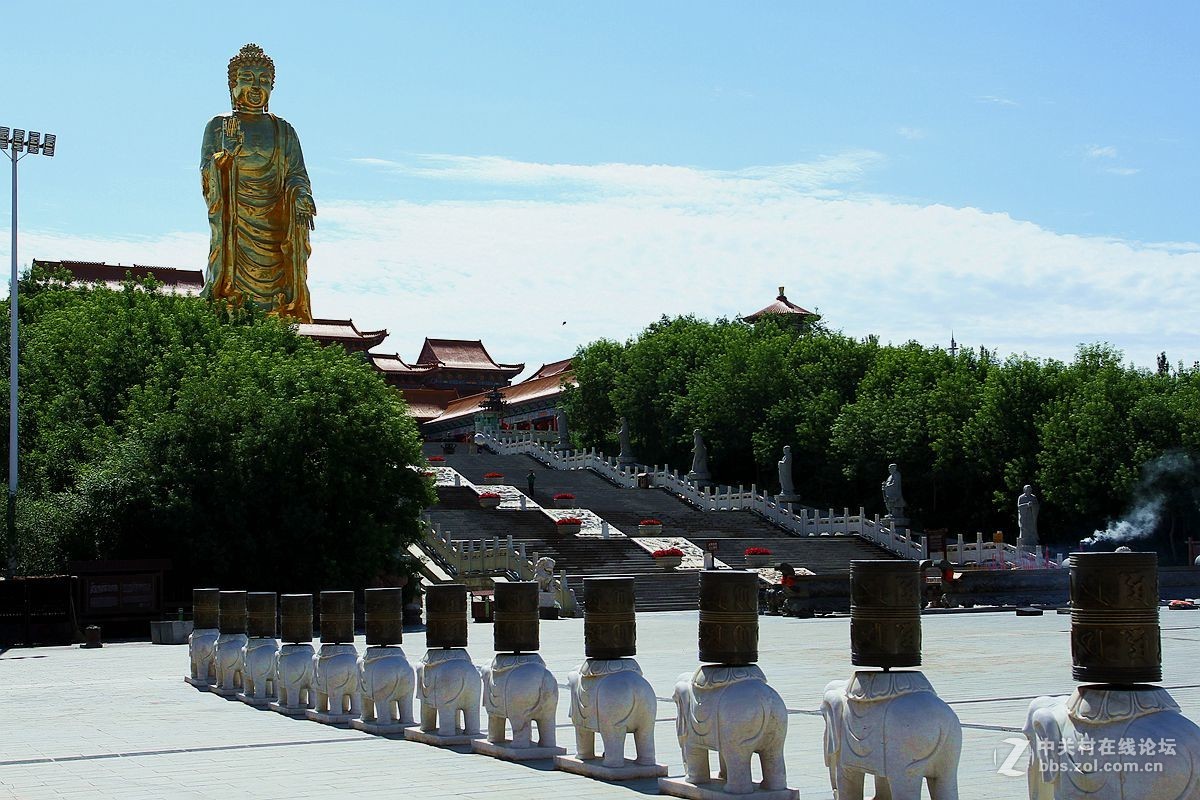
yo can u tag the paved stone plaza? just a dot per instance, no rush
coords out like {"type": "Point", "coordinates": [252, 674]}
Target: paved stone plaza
{"type": "Point", "coordinates": [120, 721]}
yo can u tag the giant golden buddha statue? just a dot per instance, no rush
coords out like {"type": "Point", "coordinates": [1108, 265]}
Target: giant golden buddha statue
{"type": "Point", "coordinates": [260, 205]}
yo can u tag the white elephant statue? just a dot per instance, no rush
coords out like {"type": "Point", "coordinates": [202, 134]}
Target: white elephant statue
{"type": "Point", "coordinates": [448, 684]}
{"type": "Point", "coordinates": [386, 682]}
{"type": "Point", "coordinates": [335, 678]}
{"type": "Point", "coordinates": [893, 726]}
{"type": "Point", "coordinates": [202, 652]}
{"type": "Point", "coordinates": [610, 697]}
{"type": "Point", "coordinates": [230, 666]}
{"type": "Point", "coordinates": [294, 679]}
{"type": "Point", "coordinates": [731, 710]}
{"type": "Point", "coordinates": [519, 689]}
{"type": "Point", "coordinates": [1105, 743]}
{"type": "Point", "coordinates": [260, 657]}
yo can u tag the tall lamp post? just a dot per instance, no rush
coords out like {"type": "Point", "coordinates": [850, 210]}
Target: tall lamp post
{"type": "Point", "coordinates": [16, 145]}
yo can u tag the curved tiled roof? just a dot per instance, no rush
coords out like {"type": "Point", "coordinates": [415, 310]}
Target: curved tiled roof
{"type": "Point", "coordinates": [176, 281]}
{"type": "Point", "coordinates": [781, 306]}
{"type": "Point", "coordinates": [553, 368]}
{"type": "Point", "coordinates": [395, 364]}
{"type": "Point", "coordinates": [523, 392]}
{"type": "Point", "coordinates": [342, 331]}
{"type": "Point", "coordinates": [463, 354]}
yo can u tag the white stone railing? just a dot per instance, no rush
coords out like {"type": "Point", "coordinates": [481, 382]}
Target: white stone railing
{"type": "Point", "coordinates": [488, 557]}
{"type": "Point", "coordinates": [798, 519]}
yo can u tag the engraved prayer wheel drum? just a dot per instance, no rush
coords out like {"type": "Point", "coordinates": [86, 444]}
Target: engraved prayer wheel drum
{"type": "Point", "coordinates": [609, 624]}
{"type": "Point", "coordinates": [885, 613]}
{"type": "Point", "coordinates": [205, 608]}
{"type": "Point", "coordinates": [1114, 618]}
{"type": "Point", "coordinates": [231, 615]}
{"type": "Point", "coordinates": [337, 617]}
{"type": "Point", "coordinates": [383, 616]}
{"type": "Point", "coordinates": [729, 616]}
{"type": "Point", "coordinates": [516, 626]}
{"type": "Point", "coordinates": [260, 615]}
{"type": "Point", "coordinates": [296, 618]}
{"type": "Point", "coordinates": [446, 615]}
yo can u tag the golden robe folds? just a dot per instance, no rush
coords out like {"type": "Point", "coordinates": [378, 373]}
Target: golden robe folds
{"type": "Point", "coordinates": [258, 251]}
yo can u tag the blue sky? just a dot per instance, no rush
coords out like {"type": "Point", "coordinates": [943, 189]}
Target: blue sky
{"type": "Point", "coordinates": [1023, 174]}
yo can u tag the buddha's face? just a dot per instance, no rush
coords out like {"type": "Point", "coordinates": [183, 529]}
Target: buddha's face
{"type": "Point", "coordinates": [252, 90]}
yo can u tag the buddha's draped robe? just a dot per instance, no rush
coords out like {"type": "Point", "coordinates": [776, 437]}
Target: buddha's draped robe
{"type": "Point", "coordinates": [258, 252]}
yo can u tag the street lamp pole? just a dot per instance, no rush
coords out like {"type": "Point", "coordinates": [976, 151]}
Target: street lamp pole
{"type": "Point", "coordinates": [12, 144]}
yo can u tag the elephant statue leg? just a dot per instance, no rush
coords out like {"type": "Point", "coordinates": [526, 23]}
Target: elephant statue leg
{"type": "Point", "coordinates": [944, 786]}
{"type": "Point", "coordinates": [850, 784]}
{"type": "Point", "coordinates": [695, 761]}
{"type": "Point", "coordinates": [614, 747]}
{"type": "Point", "coordinates": [585, 744]}
{"type": "Point", "coordinates": [547, 736]}
{"type": "Point", "coordinates": [738, 778]}
{"type": "Point", "coordinates": [470, 718]}
{"type": "Point", "coordinates": [773, 770]}
{"type": "Point", "coordinates": [495, 728]}
{"type": "Point", "coordinates": [643, 742]}
{"type": "Point", "coordinates": [522, 730]}
{"type": "Point", "coordinates": [429, 720]}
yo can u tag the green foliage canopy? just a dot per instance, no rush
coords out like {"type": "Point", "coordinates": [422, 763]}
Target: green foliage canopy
{"type": "Point", "coordinates": [153, 427]}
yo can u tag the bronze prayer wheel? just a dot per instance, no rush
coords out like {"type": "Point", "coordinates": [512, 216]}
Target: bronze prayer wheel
{"type": "Point", "coordinates": [728, 616]}
{"type": "Point", "coordinates": [446, 615]}
{"type": "Point", "coordinates": [205, 608]}
{"type": "Point", "coordinates": [383, 616]}
{"type": "Point", "coordinates": [260, 615]}
{"type": "Point", "coordinates": [337, 617]}
{"type": "Point", "coordinates": [516, 626]}
{"type": "Point", "coordinates": [231, 614]}
{"type": "Point", "coordinates": [609, 624]}
{"type": "Point", "coordinates": [1114, 618]}
{"type": "Point", "coordinates": [296, 618]}
{"type": "Point", "coordinates": [885, 613]}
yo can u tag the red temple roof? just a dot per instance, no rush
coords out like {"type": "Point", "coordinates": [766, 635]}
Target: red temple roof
{"type": "Point", "coordinates": [463, 354]}
{"type": "Point", "coordinates": [175, 281]}
{"type": "Point", "coordinates": [781, 306]}
{"type": "Point", "coordinates": [341, 331]}
{"type": "Point", "coordinates": [523, 392]}
{"type": "Point", "coordinates": [427, 404]}
{"type": "Point", "coordinates": [553, 368]}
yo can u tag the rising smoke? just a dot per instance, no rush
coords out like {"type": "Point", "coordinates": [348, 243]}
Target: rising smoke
{"type": "Point", "coordinates": [1149, 500]}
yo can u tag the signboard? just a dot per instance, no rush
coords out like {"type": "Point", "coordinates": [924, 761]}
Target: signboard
{"type": "Point", "coordinates": [712, 546]}
{"type": "Point", "coordinates": [935, 542]}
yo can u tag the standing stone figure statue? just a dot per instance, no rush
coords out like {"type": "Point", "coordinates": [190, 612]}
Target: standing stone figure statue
{"type": "Point", "coordinates": [699, 472]}
{"type": "Point", "coordinates": [1027, 514]}
{"type": "Point", "coordinates": [564, 441]}
{"type": "Point", "coordinates": [787, 489]}
{"type": "Point", "coordinates": [893, 495]}
{"type": "Point", "coordinates": [626, 456]}
{"type": "Point", "coordinates": [260, 205]}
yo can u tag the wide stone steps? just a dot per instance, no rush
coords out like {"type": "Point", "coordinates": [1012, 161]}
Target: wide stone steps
{"type": "Point", "coordinates": [459, 513]}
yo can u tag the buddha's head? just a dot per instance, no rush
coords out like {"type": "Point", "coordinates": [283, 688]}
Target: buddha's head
{"type": "Point", "coordinates": [251, 78]}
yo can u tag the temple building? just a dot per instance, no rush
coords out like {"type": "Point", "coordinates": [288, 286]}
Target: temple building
{"type": "Point", "coordinates": [463, 365]}
{"type": "Point", "coordinates": [530, 405]}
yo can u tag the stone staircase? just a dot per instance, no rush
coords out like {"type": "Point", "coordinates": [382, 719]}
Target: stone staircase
{"type": "Point", "coordinates": [459, 514]}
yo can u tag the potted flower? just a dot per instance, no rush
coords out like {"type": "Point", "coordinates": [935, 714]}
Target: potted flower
{"type": "Point", "coordinates": [564, 500]}
{"type": "Point", "coordinates": [489, 499]}
{"type": "Point", "coordinates": [650, 527]}
{"type": "Point", "coordinates": [757, 557]}
{"type": "Point", "coordinates": [668, 557]}
{"type": "Point", "coordinates": [568, 525]}
{"type": "Point", "coordinates": [436, 459]}
{"type": "Point", "coordinates": [493, 478]}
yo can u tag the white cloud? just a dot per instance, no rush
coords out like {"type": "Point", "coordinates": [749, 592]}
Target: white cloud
{"type": "Point", "coordinates": [1123, 171]}
{"type": "Point", "coordinates": [910, 133]}
{"type": "Point", "coordinates": [640, 241]}
{"type": "Point", "coordinates": [997, 100]}
{"type": "Point", "coordinates": [1100, 151]}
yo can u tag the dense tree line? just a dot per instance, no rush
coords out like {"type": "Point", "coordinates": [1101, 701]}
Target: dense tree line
{"type": "Point", "coordinates": [153, 426]}
{"type": "Point", "coordinates": [1098, 439]}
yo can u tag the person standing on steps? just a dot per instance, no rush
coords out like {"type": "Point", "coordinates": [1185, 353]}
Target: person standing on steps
{"type": "Point", "coordinates": [531, 479]}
